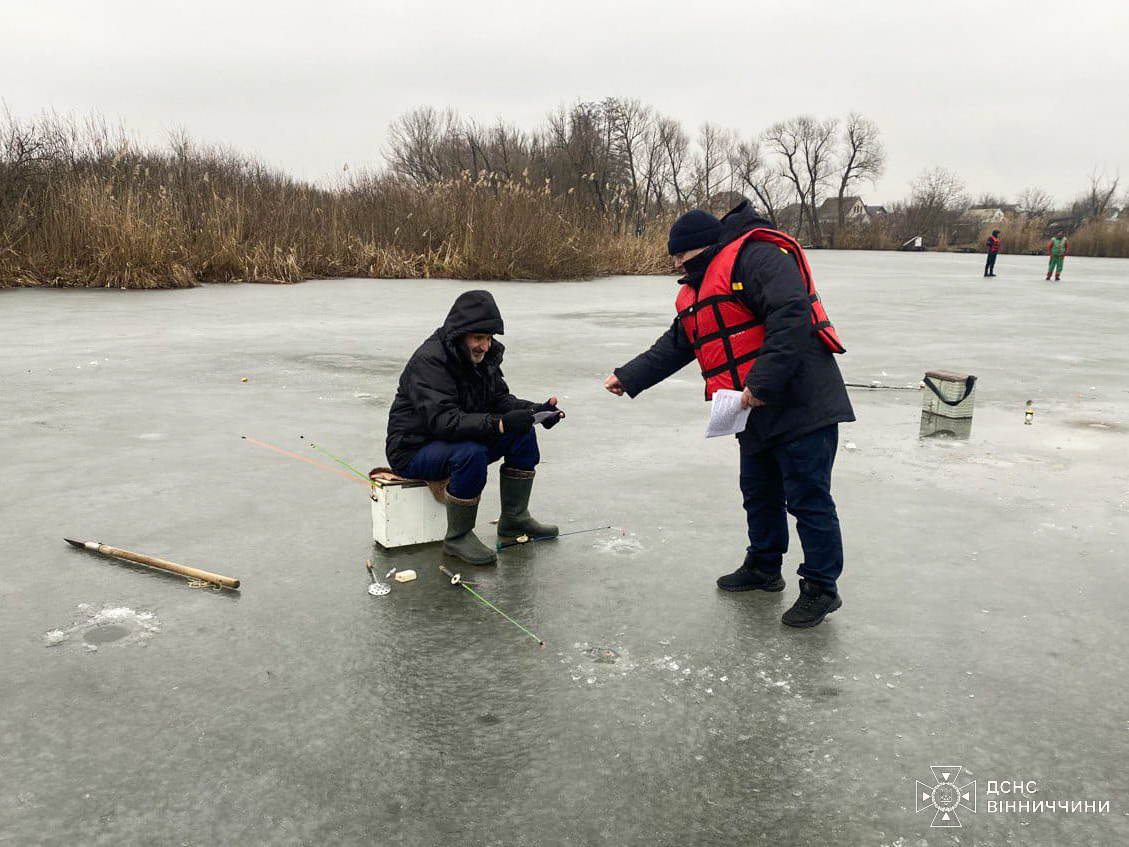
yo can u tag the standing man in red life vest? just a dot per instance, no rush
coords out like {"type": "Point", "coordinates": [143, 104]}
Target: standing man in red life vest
{"type": "Point", "coordinates": [748, 312]}
{"type": "Point", "coordinates": [993, 251]}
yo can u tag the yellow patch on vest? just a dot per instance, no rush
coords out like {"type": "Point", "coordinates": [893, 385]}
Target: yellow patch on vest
{"type": "Point", "coordinates": [738, 286]}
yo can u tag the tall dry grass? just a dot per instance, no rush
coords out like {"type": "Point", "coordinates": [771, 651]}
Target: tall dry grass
{"type": "Point", "coordinates": [1101, 238]}
{"type": "Point", "coordinates": [1022, 234]}
{"type": "Point", "coordinates": [80, 205]}
{"type": "Point", "coordinates": [1018, 234]}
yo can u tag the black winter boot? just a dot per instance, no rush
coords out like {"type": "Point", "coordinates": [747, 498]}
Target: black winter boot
{"type": "Point", "coordinates": [812, 606]}
{"type": "Point", "coordinates": [460, 541]}
{"type": "Point", "coordinates": [754, 574]}
{"type": "Point", "coordinates": [515, 486]}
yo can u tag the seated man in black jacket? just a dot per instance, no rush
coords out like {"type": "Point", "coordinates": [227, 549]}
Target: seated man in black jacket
{"type": "Point", "coordinates": [748, 311]}
{"type": "Point", "coordinates": [453, 415]}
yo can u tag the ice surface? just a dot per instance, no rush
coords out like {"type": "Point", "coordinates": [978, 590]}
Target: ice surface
{"type": "Point", "coordinates": [301, 711]}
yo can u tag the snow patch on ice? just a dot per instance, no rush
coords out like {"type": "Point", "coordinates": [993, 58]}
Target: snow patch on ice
{"type": "Point", "coordinates": [622, 546]}
{"type": "Point", "coordinates": [135, 627]}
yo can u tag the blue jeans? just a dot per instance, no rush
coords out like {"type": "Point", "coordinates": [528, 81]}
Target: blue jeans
{"type": "Point", "coordinates": [465, 462]}
{"type": "Point", "coordinates": [796, 478]}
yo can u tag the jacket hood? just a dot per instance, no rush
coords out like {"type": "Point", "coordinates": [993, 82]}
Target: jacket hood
{"type": "Point", "coordinates": [472, 311]}
{"type": "Point", "coordinates": [735, 223]}
{"type": "Point", "coordinates": [739, 220]}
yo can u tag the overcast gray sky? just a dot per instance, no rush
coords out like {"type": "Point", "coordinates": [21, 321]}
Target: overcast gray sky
{"type": "Point", "coordinates": [1006, 94]}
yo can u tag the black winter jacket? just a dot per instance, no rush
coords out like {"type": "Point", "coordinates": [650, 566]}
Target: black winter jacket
{"type": "Point", "coordinates": [794, 373]}
{"type": "Point", "coordinates": [443, 395]}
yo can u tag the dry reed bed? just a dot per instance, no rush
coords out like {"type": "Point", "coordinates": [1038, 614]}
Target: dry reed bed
{"type": "Point", "coordinates": [82, 206]}
{"type": "Point", "coordinates": [87, 209]}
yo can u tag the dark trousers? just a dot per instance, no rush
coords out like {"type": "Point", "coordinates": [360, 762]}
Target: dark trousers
{"type": "Point", "coordinates": [794, 478]}
{"type": "Point", "coordinates": [465, 462]}
{"type": "Point", "coordinates": [990, 264]}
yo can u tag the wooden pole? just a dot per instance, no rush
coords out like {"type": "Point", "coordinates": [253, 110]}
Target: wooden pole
{"type": "Point", "coordinates": [154, 562]}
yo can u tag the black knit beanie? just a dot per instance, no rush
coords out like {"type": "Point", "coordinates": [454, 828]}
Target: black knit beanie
{"type": "Point", "coordinates": [694, 229]}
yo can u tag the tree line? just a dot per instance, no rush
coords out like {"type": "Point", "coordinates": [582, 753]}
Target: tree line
{"type": "Point", "coordinates": [589, 193]}
{"type": "Point", "coordinates": [638, 167]}
{"type": "Point", "coordinates": [635, 165]}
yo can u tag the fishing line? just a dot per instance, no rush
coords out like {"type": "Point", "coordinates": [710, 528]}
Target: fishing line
{"type": "Point", "coordinates": [456, 579]}
{"type": "Point", "coordinates": [366, 480]}
{"type": "Point", "coordinates": [341, 462]}
{"type": "Point", "coordinates": [523, 539]}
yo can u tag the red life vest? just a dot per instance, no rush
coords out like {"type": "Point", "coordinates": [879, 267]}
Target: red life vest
{"type": "Point", "coordinates": [725, 333]}
{"type": "Point", "coordinates": [993, 244]}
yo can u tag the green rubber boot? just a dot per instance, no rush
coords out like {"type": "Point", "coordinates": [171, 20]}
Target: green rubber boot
{"type": "Point", "coordinates": [460, 541]}
{"type": "Point", "coordinates": [515, 486]}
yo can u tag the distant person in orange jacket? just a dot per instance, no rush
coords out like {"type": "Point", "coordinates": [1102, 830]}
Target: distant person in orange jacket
{"type": "Point", "coordinates": [993, 251]}
{"type": "Point", "coordinates": [1057, 248]}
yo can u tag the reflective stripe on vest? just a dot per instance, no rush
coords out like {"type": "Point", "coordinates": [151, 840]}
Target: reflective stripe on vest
{"type": "Point", "coordinates": [724, 332]}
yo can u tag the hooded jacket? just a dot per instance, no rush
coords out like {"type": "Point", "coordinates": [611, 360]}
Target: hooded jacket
{"type": "Point", "coordinates": [795, 374]}
{"type": "Point", "coordinates": [442, 394]}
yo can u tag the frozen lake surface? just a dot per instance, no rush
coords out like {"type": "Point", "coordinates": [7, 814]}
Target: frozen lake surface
{"type": "Point", "coordinates": [985, 588]}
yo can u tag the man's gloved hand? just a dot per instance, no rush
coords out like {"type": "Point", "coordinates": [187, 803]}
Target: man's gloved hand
{"type": "Point", "coordinates": [550, 405]}
{"type": "Point", "coordinates": [517, 422]}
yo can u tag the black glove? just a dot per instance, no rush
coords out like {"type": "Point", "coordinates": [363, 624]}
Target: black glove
{"type": "Point", "coordinates": [549, 423]}
{"type": "Point", "coordinates": [517, 422]}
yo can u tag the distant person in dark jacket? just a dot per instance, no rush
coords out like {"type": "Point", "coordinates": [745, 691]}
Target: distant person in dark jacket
{"type": "Point", "coordinates": [775, 346]}
{"type": "Point", "coordinates": [454, 415]}
{"type": "Point", "coordinates": [993, 245]}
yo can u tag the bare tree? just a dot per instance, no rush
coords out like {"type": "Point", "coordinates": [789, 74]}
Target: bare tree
{"type": "Point", "coordinates": [675, 147]}
{"type": "Point", "coordinates": [752, 172]}
{"type": "Point", "coordinates": [510, 146]}
{"type": "Point", "coordinates": [863, 157]}
{"type": "Point", "coordinates": [581, 141]}
{"type": "Point", "coordinates": [783, 139]}
{"type": "Point", "coordinates": [630, 123]}
{"type": "Point", "coordinates": [817, 142]}
{"type": "Point", "coordinates": [989, 200]}
{"type": "Point", "coordinates": [1100, 193]}
{"type": "Point", "coordinates": [935, 195]}
{"type": "Point", "coordinates": [654, 173]}
{"type": "Point", "coordinates": [716, 145]}
{"type": "Point", "coordinates": [478, 148]}
{"type": "Point", "coordinates": [1034, 202]}
{"type": "Point", "coordinates": [415, 141]}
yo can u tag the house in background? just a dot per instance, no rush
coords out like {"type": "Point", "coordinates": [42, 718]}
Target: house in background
{"type": "Point", "coordinates": [976, 218]}
{"type": "Point", "coordinates": [855, 212]}
{"type": "Point", "coordinates": [1067, 221]}
{"type": "Point", "coordinates": [983, 215]}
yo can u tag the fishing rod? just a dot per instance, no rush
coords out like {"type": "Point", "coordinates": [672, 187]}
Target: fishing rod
{"type": "Point", "coordinates": [457, 579]}
{"type": "Point", "coordinates": [363, 479]}
{"type": "Point", "coordinates": [525, 539]}
{"type": "Point", "coordinates": [341, 462]}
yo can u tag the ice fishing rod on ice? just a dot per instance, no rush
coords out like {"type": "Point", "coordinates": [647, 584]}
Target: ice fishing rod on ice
{"type": "Point", "coordinates": [457, 579]}
{"type": "Point", "coordinates": [525, 539]}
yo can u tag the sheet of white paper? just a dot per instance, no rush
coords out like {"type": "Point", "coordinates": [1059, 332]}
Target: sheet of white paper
{"type": "Point", "coordinates": [539, 417]}
{"type": "Point", "coordinates": [726, 415]}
